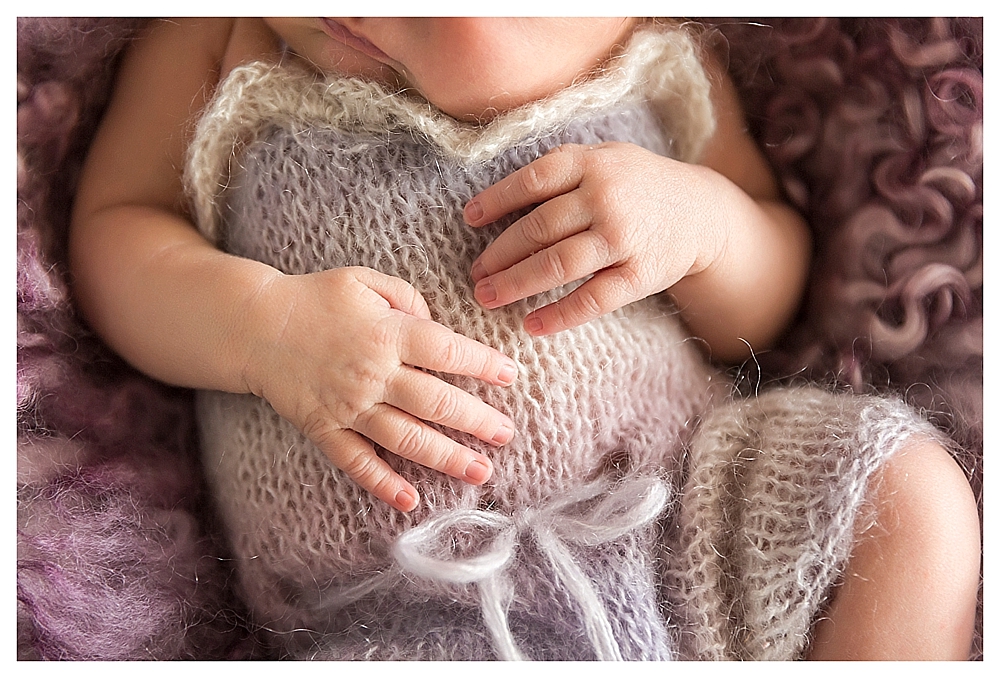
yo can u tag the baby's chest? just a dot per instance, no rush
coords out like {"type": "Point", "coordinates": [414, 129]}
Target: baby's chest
{"type": "Point", "coordinates": [311, 199]}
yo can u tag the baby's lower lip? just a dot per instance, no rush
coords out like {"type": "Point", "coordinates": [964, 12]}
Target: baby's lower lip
{"type": "Point", "coordinates": [338, 32]}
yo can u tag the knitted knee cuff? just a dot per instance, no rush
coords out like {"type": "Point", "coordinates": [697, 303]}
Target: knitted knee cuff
{"type": "Point", "coordinates": [768, 515]}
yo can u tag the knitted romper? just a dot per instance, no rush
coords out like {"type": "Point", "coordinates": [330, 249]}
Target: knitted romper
{"type": "Point", "coordinates": [561, 554]}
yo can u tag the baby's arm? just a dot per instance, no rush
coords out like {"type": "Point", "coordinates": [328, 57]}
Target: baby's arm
{"type": "Point", "coordinates": [733, 256]}
{"type": "Point", "coordinates": [747, 297]}
{"type": "Point", "coordinates": [334, 352]}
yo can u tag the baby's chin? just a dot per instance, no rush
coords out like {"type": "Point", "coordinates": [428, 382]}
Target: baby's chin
{"type": "Point", "coordinates": [481, 107]}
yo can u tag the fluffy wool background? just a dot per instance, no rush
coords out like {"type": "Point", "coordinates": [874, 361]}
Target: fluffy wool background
{"type": "Point", "coordinates": [874, 127]}
{"type": "Point", "coordinates": [113, 557]}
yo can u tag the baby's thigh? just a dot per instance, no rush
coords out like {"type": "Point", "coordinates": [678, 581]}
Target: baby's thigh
{"type": "Point", "coordinates": [910, 588]}
{"type": "Point", "coordinates": [927, 520]}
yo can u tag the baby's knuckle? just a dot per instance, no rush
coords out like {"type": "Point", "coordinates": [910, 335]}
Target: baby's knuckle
{"type": "Point", "coordinates": [384, 337]}
{"type": "Point", "coordinates": [603, 245]}
{"type": "Point", "coordinates": [359, 389]}
{"type": "Point", "coordinates": [536, 178]}
{"type": "Point", "coordinates": [364, 468]}
{"type": "Point", "coordinates": [326, 433]}
{"type": "Point", "coordinates": [412, 442]}
{"type": "Point", "coordinates": [342, 275]}
{"type": "Point", "coordinates": [351, 411]}
{"type": "Point", "coordinates": [605, 198]}
{"type": "Point", "coordinates": [331, 280]}
{"type": "Point", "coordinates": [534, 229]}
{"type": "Point", "coordinates": [345, 413]}
{"type": "Point", "coordinates": [484, 426]}
{"type": "Point", "coordinates": [631, 282]}
{"type": "Point", "coordinates": [586, 305]}
{"type": "Point", "coordinates": [366, 383]}
{"type": "Point", "coordinates": [452, 461]}
{"type": "Point", "coordinates": [409, 295]}
{"type": "Point", "coordinates": [316, 427]}
{"type": "Point", "coordinates": [554, 266]}
{"type": "Point", "coordinates": [446, 407]}
{"type": "Point", "coordinates": [454, 354]}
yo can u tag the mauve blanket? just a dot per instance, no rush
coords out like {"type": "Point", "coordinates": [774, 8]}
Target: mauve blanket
{"type": "Point", "coordinates": [874, 127]}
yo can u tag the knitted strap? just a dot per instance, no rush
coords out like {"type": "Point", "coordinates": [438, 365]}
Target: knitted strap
{"type": "Point", "coordinates": [661, 66]}
{"type": "Point", "coordinates": [627, 507]}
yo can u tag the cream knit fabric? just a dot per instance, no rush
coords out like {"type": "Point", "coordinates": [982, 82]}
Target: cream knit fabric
{"type": "Point", "coordinates": [768, 515]}
{"type": "Point", "coordinates": [660, 67]}
{"type": "Point", "coordinates": [558, 556]}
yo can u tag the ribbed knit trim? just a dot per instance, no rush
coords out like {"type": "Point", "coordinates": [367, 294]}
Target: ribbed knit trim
{"type": "Point", "coordinates": [660, 66]}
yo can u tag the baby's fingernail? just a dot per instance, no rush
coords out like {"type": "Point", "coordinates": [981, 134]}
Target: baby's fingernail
{"type": "Point", "coordinates": [473, 211]}
{"type": "Point", "coordinates": [478, 272]}
{"type": "Point", "coordinates": [507, 373]}
{"type": "Point", "coordinates": [406, 500]}
{"type": "Point", "coordinates": [533, 324]}
{"type": "Point", "coordinates": [486, 293]}
{"type": "Point", "coordinates": [503, 435]}
{"type": "Point", "coordinates": [477, 472]}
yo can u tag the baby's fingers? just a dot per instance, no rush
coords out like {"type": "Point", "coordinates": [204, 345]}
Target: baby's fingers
{"type": "Point", "coordinates": [412, 439]}
{"type": "Point", "coordinates": [431, 399]}
{"type": "Point", "coordinates": [607, 291]}
{"type": "Point", "coordinates": [562, 263]}
{"type": "Point", "coordinates": [398, 293]}
{"type": "Point", "coordinates": [555, 173]}
{"type": "Point", "coordinates": [434, 347]}
{"type": "Point", "coordinates": [353, 455]}
{"type": "Point", "coordinates": [552, 221]}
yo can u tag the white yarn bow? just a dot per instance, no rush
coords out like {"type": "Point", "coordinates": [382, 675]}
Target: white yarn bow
{"type": "Point", "coordinates": [622, 509]}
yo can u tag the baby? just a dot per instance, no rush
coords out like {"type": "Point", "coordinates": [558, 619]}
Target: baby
{"type": "Point", "coordinates": [323, 290]}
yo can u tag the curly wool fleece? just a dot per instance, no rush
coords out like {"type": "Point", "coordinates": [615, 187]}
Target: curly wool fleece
{"type": "Point", "coordinates": [112, 559]}
{"type": "Point", "coordinates": [338, 173]}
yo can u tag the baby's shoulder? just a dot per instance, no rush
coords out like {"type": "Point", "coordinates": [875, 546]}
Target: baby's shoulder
{"type": "Point", "coordinates": [250, 39]}
{"type": "Point", "coordinates": [166, 78]}
{"type": "Point", "coordinates": [219, 43]}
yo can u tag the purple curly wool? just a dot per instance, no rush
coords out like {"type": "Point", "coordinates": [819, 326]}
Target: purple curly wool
{"type": "Point", "coordinates": [113, 560]}
{"type": "Point", "coordinates": [875, 128]}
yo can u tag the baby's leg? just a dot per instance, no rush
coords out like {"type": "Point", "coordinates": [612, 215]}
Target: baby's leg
{"type": "Point", "coordinates": [911, 584]}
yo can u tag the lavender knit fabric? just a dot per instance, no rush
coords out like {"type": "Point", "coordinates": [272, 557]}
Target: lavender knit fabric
{"type": "Point", "coordinates": [616, 401]}
{"type": "Point", "coordinates": [613, 399]}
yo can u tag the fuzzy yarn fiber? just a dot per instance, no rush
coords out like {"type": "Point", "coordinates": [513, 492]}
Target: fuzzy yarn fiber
{"type": "Point", "coordinates": [118, 556]}
{"type": "Point", "coordinates": [113, 558]}
{"type": "Point", "coordinates": [380, 181]}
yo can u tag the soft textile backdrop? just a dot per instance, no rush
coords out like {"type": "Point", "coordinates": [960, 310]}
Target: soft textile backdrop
{"type": "Point", "coordinates": [873, 125]}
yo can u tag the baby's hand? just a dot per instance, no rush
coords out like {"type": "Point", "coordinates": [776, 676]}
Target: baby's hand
{"type": "Point", "coordinates": [617, 211]}
{"type": "Point", "coordinates": [343, 368]}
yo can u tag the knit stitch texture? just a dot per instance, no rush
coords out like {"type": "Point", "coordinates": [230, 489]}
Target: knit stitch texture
{"type": "Point", "coordinates": [338, 173]}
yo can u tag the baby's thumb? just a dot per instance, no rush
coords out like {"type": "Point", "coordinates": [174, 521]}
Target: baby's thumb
{"type": "Point", "coordinates": [400, 294]}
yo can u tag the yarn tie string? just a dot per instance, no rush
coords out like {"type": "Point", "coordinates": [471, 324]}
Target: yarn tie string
{"type": "Point", "coordinates": [589, 516]}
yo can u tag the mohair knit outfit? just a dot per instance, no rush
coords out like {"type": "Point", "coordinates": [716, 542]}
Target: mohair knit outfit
{"type": "Point", "coordinates": [639, 513]}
